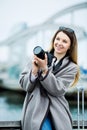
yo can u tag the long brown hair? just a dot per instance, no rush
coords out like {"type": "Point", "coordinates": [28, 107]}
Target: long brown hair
{"type": "Point", "coordinates": [72, 52]}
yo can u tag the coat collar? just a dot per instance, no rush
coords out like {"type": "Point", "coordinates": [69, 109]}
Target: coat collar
{"type": "Point", "coordinates": [61, 64]}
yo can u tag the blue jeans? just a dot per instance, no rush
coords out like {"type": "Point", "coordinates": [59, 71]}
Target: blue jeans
{"type": "Point", "coordinates": [47, 124]}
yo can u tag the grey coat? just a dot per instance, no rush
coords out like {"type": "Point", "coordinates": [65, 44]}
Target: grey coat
{"type": "Point", "coordinates": [47, 94]}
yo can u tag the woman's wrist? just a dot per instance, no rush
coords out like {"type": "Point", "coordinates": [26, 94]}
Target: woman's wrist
{"type": "Point", "coordinates": [44, 70]}
{"type": "Point", "coordinates": [34, 73]}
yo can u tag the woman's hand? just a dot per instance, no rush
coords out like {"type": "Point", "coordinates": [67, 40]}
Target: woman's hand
{"type": "Point", "coordinates": [42, 64]}
{"type": "Point", "coordinates": [35, 67]}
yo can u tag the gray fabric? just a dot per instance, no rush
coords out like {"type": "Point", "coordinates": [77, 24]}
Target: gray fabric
{"type": "Point", "coordinates": [48, 93]}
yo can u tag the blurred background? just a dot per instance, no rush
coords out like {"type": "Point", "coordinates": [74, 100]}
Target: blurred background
{"type": "Point", "coordinates": [25, 24]}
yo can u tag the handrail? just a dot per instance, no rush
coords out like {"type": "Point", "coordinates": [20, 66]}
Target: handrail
{"type": "Point", "coordinates": [6, 125]}
{"type": "Point", "coordinates": [16, 125]}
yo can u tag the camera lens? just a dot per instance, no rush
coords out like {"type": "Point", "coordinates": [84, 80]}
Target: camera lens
{"type": "Point", "coordinates": [39, 52]}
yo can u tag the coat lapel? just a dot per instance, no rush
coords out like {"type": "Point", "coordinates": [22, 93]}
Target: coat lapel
{"type": "Point", "coordinates": [61, 64]}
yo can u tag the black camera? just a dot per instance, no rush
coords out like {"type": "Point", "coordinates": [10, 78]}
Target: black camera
{"type": "Point", "coordinates": [39, 52]}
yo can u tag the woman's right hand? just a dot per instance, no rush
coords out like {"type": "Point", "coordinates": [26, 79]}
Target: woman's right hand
{"type": "Point", "coordinates": [35, 66]}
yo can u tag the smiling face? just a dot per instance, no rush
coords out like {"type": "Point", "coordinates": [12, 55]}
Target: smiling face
{"type": "Point", "coordinates": [61, 44]}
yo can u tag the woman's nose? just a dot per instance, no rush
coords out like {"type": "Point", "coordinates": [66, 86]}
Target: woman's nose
{"type": "Point", "coordinates": [59, 42]}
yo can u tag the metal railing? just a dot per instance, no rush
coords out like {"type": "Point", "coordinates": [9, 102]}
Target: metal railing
{"type": "Point", "coordinates": [80, 89]}
{"type": "Point", "coordinates": [77, 124]}
{"type": "Point", "coordinates": [16, 125]}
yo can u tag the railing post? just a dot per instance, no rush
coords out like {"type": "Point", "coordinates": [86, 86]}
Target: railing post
{"type": "Point", "coordinates": [78, 106]}
{"type": "Point", "coordinates": [83, 108]}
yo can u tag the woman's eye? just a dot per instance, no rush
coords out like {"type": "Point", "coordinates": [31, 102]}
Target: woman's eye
{"type": "Point", "coordinates": [57, 38]}
{"type": "Point", "coordinates": [64, 41]}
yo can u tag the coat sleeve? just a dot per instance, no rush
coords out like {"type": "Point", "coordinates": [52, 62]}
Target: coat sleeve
{"type": "Point", "coordinates": [57, 85]}
{"type": "Point", "coordinates": [25, 79]}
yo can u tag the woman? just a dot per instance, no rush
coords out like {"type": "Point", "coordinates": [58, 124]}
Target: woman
{"type": "Point", "coordinates": [46, 84]}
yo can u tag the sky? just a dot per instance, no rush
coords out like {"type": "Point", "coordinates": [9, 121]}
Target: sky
{"type": "Point", "coordinates": [34, 12]}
